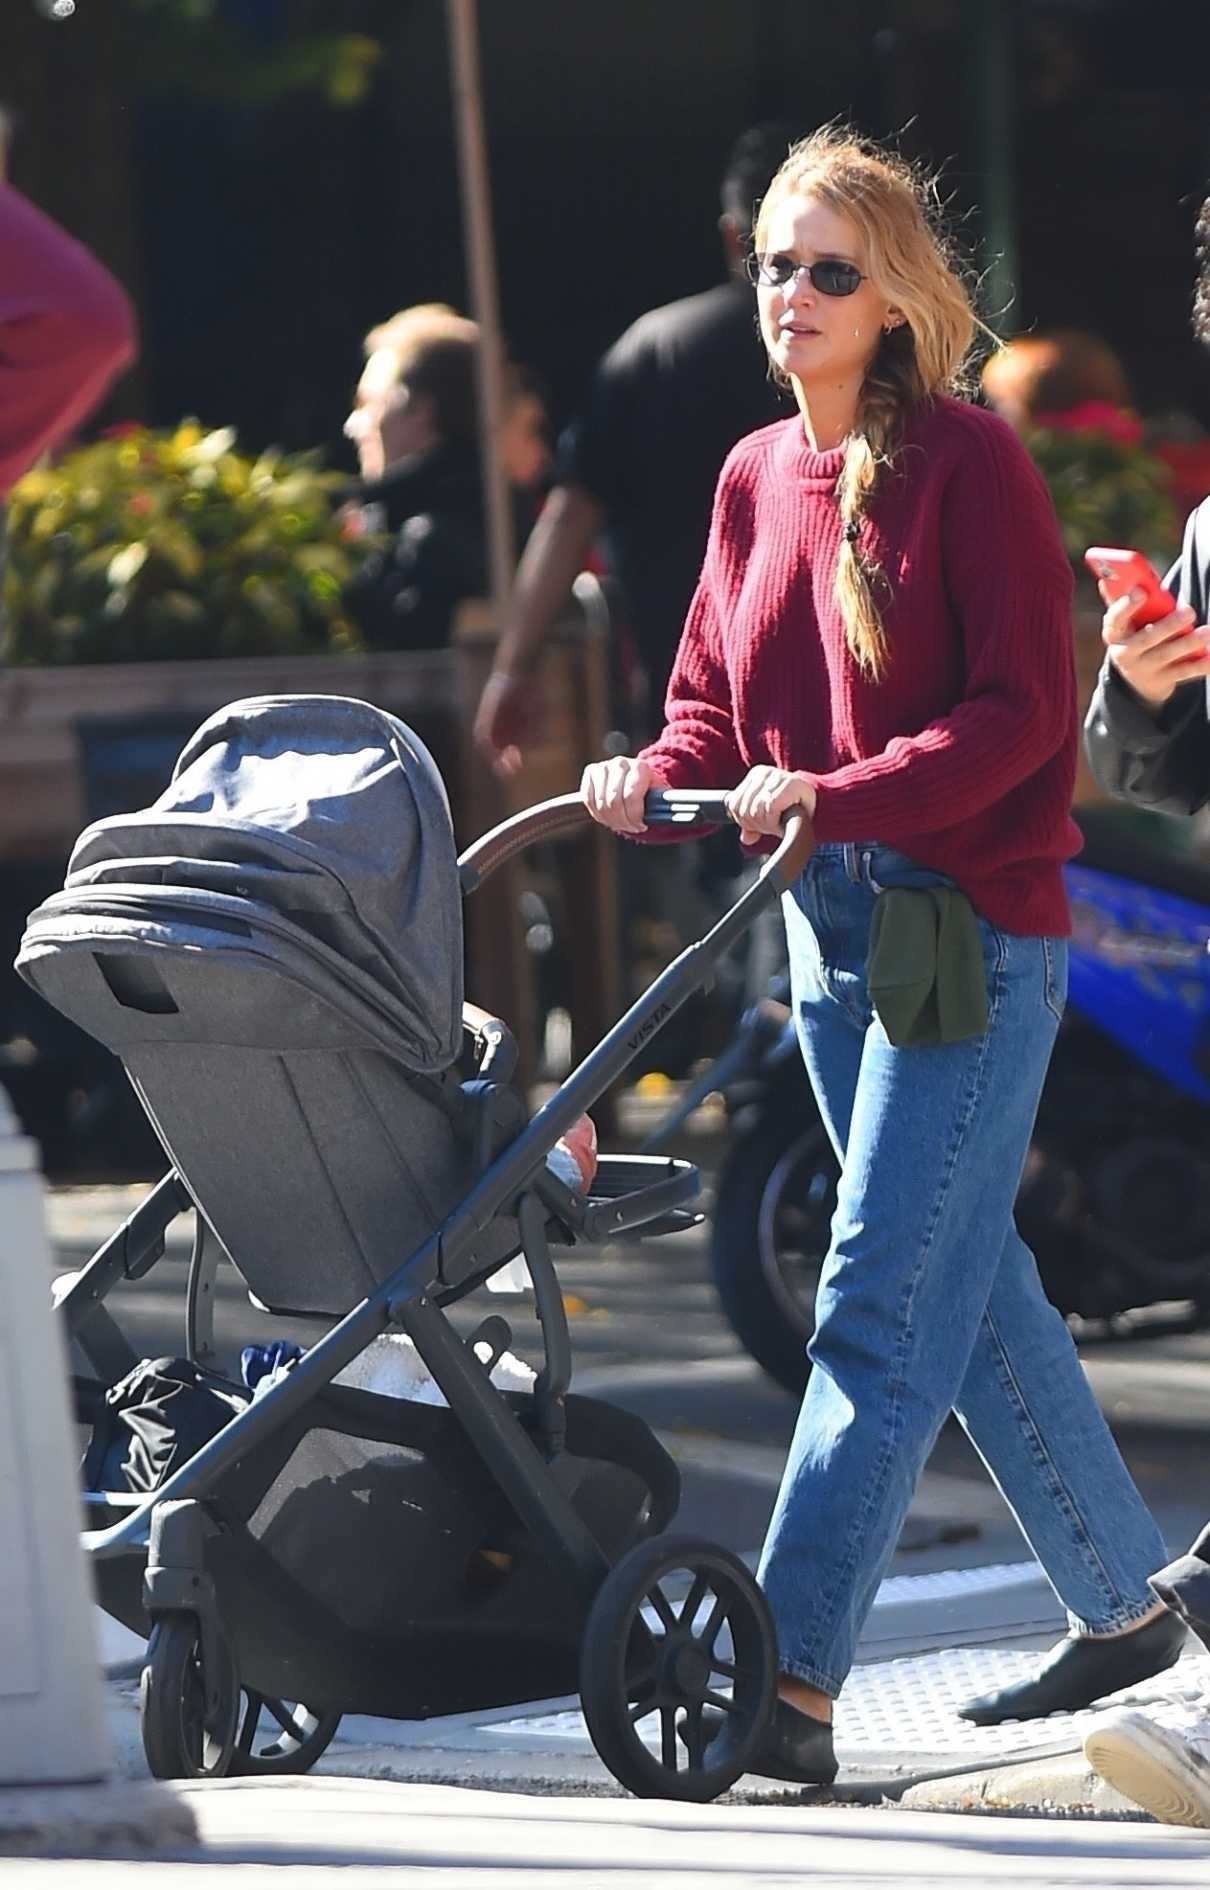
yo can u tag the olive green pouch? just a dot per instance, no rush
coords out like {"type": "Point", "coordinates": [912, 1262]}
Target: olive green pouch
{"type": "Point", "coordinates": [925, 968]}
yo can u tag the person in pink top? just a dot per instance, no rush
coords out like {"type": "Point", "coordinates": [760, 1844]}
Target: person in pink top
{"type": "Point", "coordinates": [66, 328]}
{"type": "Point", "coordinates": [882, 636]}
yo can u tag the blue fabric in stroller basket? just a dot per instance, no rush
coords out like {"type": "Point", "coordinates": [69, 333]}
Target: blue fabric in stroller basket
{"type": "Point", "coordinates": [274, 949]}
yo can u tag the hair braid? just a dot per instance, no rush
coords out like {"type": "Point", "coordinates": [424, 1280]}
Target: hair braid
{"type": "Point", "coordinates": [891, 389]}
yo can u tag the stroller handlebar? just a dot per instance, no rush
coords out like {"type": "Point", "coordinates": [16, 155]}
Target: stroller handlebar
{"type": "Point", "coordinates": [544, 822]}
{"type": "Point", "coordinates": [684, 807]}
{"type": "Point", "coordinates": [664, 807]}
{"type": "Point", "coordinates": [693, 808]}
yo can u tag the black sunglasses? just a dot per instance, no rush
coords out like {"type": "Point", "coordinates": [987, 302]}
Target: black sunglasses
{"type": "Point", "coordinates": [829, 276]}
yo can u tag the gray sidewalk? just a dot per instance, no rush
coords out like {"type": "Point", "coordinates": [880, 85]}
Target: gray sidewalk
{"type": "Point", "coordinates": [380, 1833]}
{"type": "Point", "coordinates": [392, 1800]}
{"type": "Point", "coordinates": [931, 1642]}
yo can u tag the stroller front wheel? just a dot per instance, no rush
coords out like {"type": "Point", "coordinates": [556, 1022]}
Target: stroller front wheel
{"type": "Point", "coordinates": [183, 1736]}
{"type": "Point", "coordinates": [677, 1626]}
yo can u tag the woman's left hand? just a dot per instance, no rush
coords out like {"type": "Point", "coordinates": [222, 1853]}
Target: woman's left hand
{"type": "Point", "coordinates": [764, 797]}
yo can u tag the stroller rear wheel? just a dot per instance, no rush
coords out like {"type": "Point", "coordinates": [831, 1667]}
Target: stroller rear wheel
{"type": "Point", "coordinates": [678, 1625]}
{"type": "Point", "coordinates": [182, 1736]}
{"type": "Point", "coordinates": [278, 1736]}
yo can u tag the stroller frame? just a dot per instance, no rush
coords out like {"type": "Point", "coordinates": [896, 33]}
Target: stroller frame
{"type": "Point", "coordinates": [442, 1270]}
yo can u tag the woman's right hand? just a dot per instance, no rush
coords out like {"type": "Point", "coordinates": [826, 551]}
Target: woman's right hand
{"type": "Point", "coordinates": [614, 792]}
{"type": "Point", "coordinates": [1153, 660]}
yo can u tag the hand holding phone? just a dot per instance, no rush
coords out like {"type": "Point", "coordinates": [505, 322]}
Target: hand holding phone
{"type": "Point", "coordinates": [1154, 644]}
{"type": "Point", "coordinates": [1120, 572]}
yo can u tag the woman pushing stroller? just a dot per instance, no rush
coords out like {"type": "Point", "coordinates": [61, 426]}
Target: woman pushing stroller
{"type": "Point", "coordinates": [882, 635]}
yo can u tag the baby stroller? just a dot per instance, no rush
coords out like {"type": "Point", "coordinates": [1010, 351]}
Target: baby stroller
{"type": "Point", "coordinates": [274, 952]}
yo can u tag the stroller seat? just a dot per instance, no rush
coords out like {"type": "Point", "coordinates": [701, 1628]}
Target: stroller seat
{"type": "Point", "coordinates": [271, 1081]}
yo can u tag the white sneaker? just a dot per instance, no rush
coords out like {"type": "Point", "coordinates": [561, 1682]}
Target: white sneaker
{"type": "Point", "coordinates": [1159, 1758]}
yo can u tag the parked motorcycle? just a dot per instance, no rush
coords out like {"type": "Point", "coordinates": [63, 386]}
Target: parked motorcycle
{"type": "Point", "coordinates": [1115, 1198]}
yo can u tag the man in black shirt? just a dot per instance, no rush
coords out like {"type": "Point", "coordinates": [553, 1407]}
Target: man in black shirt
{"type": "Point", "coordinates": [639, 464]}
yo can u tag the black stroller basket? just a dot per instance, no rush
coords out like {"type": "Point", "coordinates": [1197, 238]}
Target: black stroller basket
{"type": "Point", "coordinates": [274, 951]}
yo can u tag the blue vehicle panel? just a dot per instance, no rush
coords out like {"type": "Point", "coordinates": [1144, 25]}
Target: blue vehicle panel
{"type": "Point", "coordinates": [1140, 971]}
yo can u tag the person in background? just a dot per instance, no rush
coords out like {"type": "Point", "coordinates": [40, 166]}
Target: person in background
{"type": "Point", "coordinates": [1147, 737]}
{"type": "Point", "coordinates": [1069, 379]}
{"type": "Point", "coordinates": [1160, 1755]}
{"type": "Point", "coordinates": [881, 637]}
{"type": "Point", "coordinates": [66, 329]}
{"type": "Point", "coordinates": [1063, 376]}
{"type": "Point", "coordinates": [634, 478]}
{"type": "Point", "coordinates": [414, 423]}
{"type": "Point", "coordinates": [525, 433]}
{"type": "Point", "coordinates": [638, 466]}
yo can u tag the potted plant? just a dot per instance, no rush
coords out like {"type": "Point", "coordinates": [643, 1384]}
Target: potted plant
{"type": "Point", "coordinates": [1108, 489]}
{"type": "Point", "coordinates": [151, 578]}
{"type": "Point", "coordinates": [158, 546]}
{"type": "Point", "coordinates": [155, 576]}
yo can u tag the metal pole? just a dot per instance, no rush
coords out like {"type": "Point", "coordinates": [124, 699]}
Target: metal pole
{"type": "Point", "coordinates": [53, 1728]}
{"type": "Point", "coordinates": [994, 94]}
{"type": "Point", "coordinates": [481, 270]}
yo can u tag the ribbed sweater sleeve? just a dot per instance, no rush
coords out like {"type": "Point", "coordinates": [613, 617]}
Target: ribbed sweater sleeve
{"type": "Point", "coordinates": [66, 327]}
{"type": "Point", "coordinates": [1009, 585]}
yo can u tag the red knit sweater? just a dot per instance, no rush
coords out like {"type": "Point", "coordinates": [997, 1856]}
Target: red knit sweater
{"type": "Point", "coordinates": [963, 756]}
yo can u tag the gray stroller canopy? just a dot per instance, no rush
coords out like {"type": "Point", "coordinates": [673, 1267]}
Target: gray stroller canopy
{"type": "Point", "coordinates": [333, 813]}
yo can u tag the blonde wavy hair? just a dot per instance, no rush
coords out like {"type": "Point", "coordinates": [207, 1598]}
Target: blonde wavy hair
{"type": "Point", "coordinates": [895, 210]}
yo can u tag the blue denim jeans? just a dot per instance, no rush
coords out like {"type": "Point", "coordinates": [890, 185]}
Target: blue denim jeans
{"type": "Point", "coordinates": [929, 1299]}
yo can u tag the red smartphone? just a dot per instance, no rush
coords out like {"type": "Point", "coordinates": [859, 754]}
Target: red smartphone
{"type": "Point", "coordinates": [1123, 571]}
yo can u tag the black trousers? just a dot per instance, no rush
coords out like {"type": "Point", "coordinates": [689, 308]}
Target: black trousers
{"type": "Point", "coordinates": [1184, 1586]}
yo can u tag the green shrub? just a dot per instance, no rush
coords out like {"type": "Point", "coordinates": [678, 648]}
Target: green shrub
{"type": "Point", "coordinates": [1107, 488]}
{"type": "Point", "coordinates": [151, 546]}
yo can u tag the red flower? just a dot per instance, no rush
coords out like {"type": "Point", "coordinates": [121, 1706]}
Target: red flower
{"type": "Point", "coordinates": [1095, 416]}
{"type": "Point", "coordinates": [141, 503]}
{"type": "Point", "coordinates": [121, 430]}
{"type": "Point", "coordinates": [1189, 463]}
